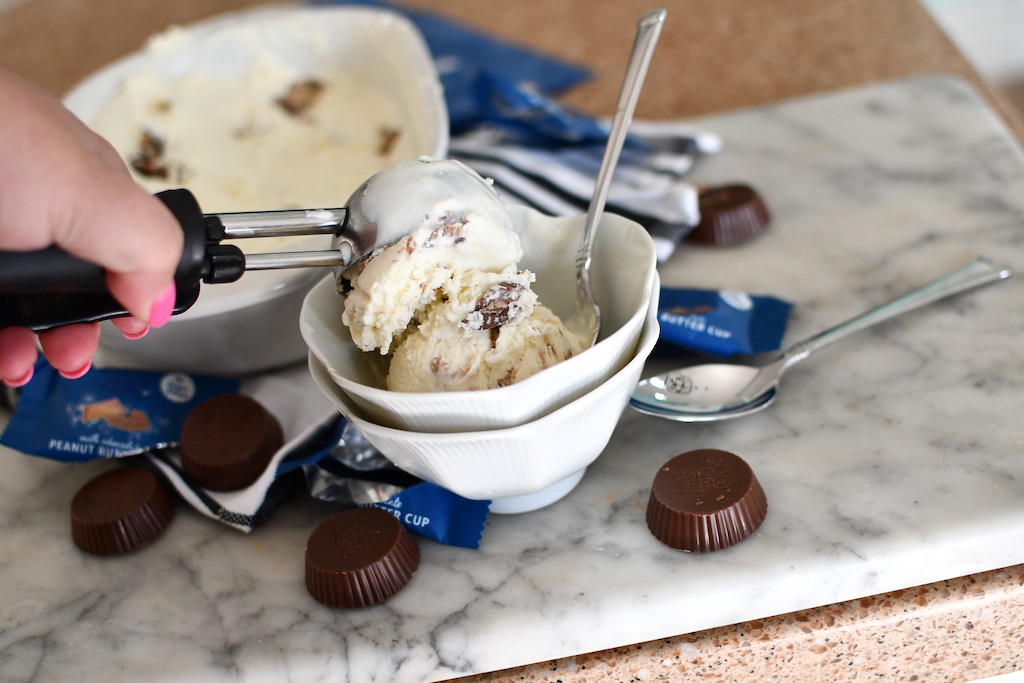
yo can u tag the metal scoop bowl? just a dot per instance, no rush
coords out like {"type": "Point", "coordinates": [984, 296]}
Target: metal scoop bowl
{"type": "Point", "coordinates": [49, 287]}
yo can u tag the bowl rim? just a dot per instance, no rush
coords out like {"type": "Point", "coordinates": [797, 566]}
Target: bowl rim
{"type": "Point", "coordinates": [628, 327]}
{"type": "Point", "coordinates": [649, 335]}
{"type": "Point", "coordinates": [370, 392]}
{"type": "Point", "coordinates": [80, 100]}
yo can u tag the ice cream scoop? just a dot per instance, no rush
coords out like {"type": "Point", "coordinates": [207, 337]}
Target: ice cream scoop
{"type": "Point", "coordinates": [448, 301]}
{"type": "Point", "coordinates": [49, 287]}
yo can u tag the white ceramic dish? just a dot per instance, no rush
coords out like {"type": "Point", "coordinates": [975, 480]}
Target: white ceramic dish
{"type": "Point", "coordinates": [624, 276]}
{"type": "Point", "coordinates": [252, 324]}
{"type": "Point", "coordinates": [520, 468]}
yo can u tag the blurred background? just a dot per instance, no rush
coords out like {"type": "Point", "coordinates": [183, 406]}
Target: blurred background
{"type": "Point", "coordinates": [986, 31]}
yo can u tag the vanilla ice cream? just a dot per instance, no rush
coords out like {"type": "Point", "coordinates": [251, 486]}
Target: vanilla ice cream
{"type": "Point", "coordinates": [283, 133]}
{"type": "Point", "coordinates": [447, 300]}
{"type": "Point", "coordinates": [441, 357]}
{"type": "Point", "coordinates": [286, 132]}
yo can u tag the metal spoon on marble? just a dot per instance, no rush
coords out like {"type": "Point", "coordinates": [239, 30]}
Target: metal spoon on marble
{"type": "Point", "coordinates": [723, 391]}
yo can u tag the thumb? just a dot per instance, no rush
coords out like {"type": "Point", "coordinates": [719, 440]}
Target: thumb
{"type": "Point", "coordinates": [66, 185]}
{"type": "Point", "coordinates": [136, 239]}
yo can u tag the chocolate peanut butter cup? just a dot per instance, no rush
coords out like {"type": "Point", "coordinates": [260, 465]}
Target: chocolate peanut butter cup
{"type": "Point", "coordinates": [120, 511]}
{"type": "Point", "coordinates": [729, 214]}
{"type": "Point", "coordinates": [705, 500]}
{"type": "Point", "coordinates": [359, 557]}
{"type": "Point", "coordinates": [227, 441]}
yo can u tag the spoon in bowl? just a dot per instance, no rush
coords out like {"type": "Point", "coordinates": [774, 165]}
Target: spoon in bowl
{"type": "Point", "coordinates": [723, 391]}
{"type": "Point", "coordinates": [585, 318]}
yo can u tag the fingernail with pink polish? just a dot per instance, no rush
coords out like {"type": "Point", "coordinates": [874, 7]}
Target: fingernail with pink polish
{"type": "Point", "coordinates": [20, 381]}
{"type": "Point", "coordinates": [163, 307]}
{"type": "Point", "coordinates": [139, 334]}
{"type": "Point", "coordinates": [75, 374]}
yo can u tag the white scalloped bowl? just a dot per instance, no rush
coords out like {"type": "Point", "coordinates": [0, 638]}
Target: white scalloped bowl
{"type": "Point", "coordinates": [252, 324]}
{"type": "Point", "coordinates": [520, 468]}
{"type": "Point", "coordinates": [624, 277]}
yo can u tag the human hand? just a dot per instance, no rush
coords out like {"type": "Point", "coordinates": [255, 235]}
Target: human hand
{"type": "Point", "coordinates": [62, 184]}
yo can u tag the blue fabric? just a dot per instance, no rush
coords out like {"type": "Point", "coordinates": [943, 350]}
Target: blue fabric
{"type": "Point", "coordinates": [462, 55]}
{"type": "Point", "coordinates": [506, 125]}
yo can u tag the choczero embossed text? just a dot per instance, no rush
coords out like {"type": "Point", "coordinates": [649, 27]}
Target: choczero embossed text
{"type": "Point", "coordinates": [702, 479]}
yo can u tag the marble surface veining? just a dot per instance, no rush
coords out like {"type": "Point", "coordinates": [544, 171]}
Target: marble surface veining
{"type": "Point", "coordinates": [891, 459]}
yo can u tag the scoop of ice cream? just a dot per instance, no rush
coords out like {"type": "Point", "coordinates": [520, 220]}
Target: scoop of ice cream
{"type": "Point", "coordinates": [446, 357]}
{"type": "Point", "coordinates": [445, 206]}
{"type": "Point", "coordinates": [458, 243]}
{"type": "Point", "coordinates": [448, 299]}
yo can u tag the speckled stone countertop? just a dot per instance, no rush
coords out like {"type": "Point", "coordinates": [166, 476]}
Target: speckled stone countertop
{"type": "Point", "coordinates": [956, 630]}
{"type": "Point", "coordinates": [723, 55]}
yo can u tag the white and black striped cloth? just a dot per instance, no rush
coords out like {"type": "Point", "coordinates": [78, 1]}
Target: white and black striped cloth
{"type": "Point", "coordinates": [649, 185]}
{"type": "Point", "coordinates": [309, 422]}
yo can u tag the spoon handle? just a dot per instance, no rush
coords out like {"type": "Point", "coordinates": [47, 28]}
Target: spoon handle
{"type": "Point", "coordinates": [647, 32]}
{"type": "Point", "coordinates": [980, 271]}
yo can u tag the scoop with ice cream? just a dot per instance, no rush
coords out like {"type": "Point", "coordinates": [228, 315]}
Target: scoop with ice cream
{"type": "Point", "coordinates": [448, 300]}
{"type": "Point", "coordinates": [50, 287]}
{"type": "Point", "coordinates": [438, 217]}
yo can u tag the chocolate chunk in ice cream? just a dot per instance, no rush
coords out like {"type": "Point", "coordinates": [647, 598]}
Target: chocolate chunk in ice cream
{"type": "Point", "coordinates": [498, 306]}
{"type": "Point", "coordinates": [301, 97]}
{"type": "Point", "coordinates": [149, 160]}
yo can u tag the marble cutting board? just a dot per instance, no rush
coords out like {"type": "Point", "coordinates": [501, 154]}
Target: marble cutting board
{"type": "Point", "coordinates": [890, 460]}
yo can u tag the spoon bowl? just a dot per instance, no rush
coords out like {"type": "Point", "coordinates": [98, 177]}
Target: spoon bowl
{"type": "Point", "coordinates": [711, 388]}
{"type": "Point", "coordinates": [720, 391]}
{"type": "Point", "coordinates": [754, 406]}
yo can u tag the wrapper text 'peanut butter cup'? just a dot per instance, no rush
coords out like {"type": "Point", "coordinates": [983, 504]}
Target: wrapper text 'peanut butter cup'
{"type": "Point", "coordinates": [359, 557]}
{"type": "Point", "coordinates": [120, 511]}
{"type": "Point", "coordinates": [705, 500]}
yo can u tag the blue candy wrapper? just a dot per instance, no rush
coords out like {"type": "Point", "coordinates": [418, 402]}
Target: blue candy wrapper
{"type": "Point", "coordinates": [351, 472]}
{"type": "Point", "coordinates": [529, 117]}
{"type": "Point", "coordinates": [439, 514]}
{"type": "Point", "coordinates": [115, 413]}
{"type": "Point", "coordinates": [106, 413]}
{"type": "Point", "coordinates": [722, 323]}
{"type": "Point", "coordinates": [506, 125]}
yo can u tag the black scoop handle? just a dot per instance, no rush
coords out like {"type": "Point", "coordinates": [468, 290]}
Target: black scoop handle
{"type": "Point", "coordinates": [50, 287]}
